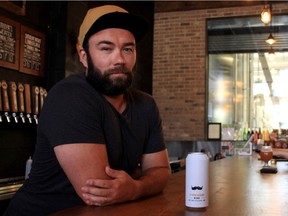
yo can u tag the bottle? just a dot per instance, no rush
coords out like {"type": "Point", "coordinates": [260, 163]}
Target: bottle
{"type": "Point", "coordinates": [260, 134]}
{"type": "Point", "coordinates": [267, 135]}
{"type": "Point", "coordinates": [249, 133]}
{"type": "Point", "coordinates": [197, 181]}
{"type": "Point", "coordinates": [263, 133]}
{"type": "Point", "coordinates": [252, 132]}
{"type": "Point", "coordinates": [245, 134]}
{"type": "Point", "coordinates": [240, 134]}
{"type": "Point", "coordinates": [255, 136]}
{"type": "Point", "coordinates": [28, 167]}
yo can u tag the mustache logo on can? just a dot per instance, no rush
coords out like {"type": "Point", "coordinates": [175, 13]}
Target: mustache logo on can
{"type": "Point", "coordinates": [196, 188]}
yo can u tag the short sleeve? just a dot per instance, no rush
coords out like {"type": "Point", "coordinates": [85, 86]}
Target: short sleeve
{"type": "Point", "coordinates": [71, 114]}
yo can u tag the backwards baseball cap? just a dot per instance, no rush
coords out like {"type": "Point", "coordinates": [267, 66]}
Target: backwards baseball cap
{"type": "Point", "coordinates": [111, 16]}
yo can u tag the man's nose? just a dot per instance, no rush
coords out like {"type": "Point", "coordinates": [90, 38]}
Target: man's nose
{"type": "Point", "coordinates": [119, 57]}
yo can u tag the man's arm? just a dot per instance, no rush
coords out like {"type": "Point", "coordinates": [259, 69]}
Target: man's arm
{"type": "Point", "coordinates": [122, 187]}
{"type": "Point", "coordinates": [81, 162]}
{"type": "Point", "coordinates": [156, 172]}
{"type": "Point", "coordinates": [282, 153]}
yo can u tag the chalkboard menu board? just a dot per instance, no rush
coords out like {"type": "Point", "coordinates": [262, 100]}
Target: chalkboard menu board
{"type": "Point", "coordinates": [9, 43]}
{"type": "Point", "coordinates": [32, 52]}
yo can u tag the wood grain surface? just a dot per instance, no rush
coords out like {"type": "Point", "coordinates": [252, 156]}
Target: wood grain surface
{"type": "Point", "coordinates": [236, 188]}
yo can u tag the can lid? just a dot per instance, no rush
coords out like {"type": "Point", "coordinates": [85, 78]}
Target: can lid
{"type": "Point", "coordinates": [197, 155]}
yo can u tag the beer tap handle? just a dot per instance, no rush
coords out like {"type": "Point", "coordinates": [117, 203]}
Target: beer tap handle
{"type": "Point", "coordinates": [8, 117]}
{"type": "Point", "coordinates": [29, 118]}
{"type": "Point", "coordinates": [6, 106]}
{"type": "Point", "coordinates": [35, 102]}
{"type": "Point", "coordinates": [21, 104]}
{"type": "Point", "coordinates": [45, 93]}
{"type": "Point", "coordinates": [41, 91]}
{"type": "Point", "coordinates": [27, 98]}
{"type": "Point", "coordinates": [22, 116]}
{"type": "Point", "coordinates": [13, 99]}
{"type": "Point", "coordinates": [35, 118]}
{"type": "Point", "coordinates": [14, 115]}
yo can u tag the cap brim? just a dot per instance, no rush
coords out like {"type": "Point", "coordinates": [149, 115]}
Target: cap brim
{"type": "Point", "coordinates": [137, 25]}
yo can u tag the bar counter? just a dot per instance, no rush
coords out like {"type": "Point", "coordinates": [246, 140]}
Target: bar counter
{"type": "Point", "coordinates": [236, 188]}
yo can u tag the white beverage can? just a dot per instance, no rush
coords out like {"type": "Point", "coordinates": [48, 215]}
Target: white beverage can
{"type": "Point", "coordinates": [197, 180]}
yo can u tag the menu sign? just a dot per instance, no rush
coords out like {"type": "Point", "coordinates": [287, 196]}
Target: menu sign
{"type": "Point", "coordinates": [32, 52]}
{"type": "Point", "coordinates": [9, 43]}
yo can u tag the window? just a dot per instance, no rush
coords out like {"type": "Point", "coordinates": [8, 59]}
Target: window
{"type": "Point", "coordinates": [247, 88]}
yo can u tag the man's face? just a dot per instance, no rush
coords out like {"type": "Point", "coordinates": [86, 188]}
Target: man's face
{"type": "Point", "coordinates": [110, 59]}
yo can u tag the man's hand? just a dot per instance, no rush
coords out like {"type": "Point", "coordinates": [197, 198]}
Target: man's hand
{"type": "Point", "coordinates": [148, 180]}
{"type": "Point", "coordinates": [101, 192]}
{"type": "Point", "coordinates": [281, 153]}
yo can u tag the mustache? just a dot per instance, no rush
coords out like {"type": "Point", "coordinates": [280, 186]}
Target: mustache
{"type": "Point", "coordinates": [196, 188]}
{"type": "Point", "coordinates": [117, 70]}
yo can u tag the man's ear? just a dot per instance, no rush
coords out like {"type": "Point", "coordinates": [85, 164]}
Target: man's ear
{"type": "Point", "coordinates": [82, 55]}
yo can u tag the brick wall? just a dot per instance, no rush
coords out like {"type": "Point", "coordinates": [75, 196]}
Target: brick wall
{"type": "Point", "coordinates": [179, 67]}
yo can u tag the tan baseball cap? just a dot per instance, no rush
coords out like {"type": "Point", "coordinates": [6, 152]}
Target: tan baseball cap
{"type": "Point", "coordinates": [111, 16]}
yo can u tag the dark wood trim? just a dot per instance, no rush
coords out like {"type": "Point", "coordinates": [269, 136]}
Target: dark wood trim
{"type": "Point", "coordinates": [169, 6]}
{"type": "Point", "coordinates": [18, 8]}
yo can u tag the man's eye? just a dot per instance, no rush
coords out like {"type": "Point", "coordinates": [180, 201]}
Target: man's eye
{"type": "Point", "coordinates": [128, 49]}
{"type": "Point", "coordinates": [106, 48]}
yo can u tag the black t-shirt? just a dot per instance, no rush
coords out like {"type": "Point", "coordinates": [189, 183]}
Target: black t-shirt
{"type": "Point", "coordinates": [74, 112]}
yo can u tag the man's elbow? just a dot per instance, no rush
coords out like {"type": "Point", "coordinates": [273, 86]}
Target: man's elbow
{"type": "Point", "coordinates": [167, 174]}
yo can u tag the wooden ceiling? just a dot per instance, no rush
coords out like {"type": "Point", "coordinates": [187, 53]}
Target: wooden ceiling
{"type": "Point", "coordinates": [168, 6]}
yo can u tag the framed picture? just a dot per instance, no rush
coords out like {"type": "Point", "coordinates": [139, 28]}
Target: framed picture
{"type": "Point", "coordinates": [32, 52]}
{"type": "Point", "coordinates": [9, 43]}
{"type": "Point", "coordinates": [214, 131]}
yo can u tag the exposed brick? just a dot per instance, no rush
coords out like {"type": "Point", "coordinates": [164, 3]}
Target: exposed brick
{"type": "Point", "coordinates": [179, 68]}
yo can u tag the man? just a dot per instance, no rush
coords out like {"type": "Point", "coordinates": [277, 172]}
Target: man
{"type": "Point", "coordinates": [99, 140]}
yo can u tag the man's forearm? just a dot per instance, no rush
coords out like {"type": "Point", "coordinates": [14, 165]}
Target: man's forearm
{"type": "Point", "coordinates": [153, 181]}
{"type": "Point", "coordinates": [280, 152]}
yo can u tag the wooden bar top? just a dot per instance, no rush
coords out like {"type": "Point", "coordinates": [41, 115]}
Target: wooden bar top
{"type": "Point", "coordinates": [236, 188]}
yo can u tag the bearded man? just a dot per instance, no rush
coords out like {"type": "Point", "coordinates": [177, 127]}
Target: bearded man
{"type": "Point", "coordinates": [99, 141]}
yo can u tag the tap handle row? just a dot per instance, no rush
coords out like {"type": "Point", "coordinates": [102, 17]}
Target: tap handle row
{"type": "Point", "coordinates": [20, 101]}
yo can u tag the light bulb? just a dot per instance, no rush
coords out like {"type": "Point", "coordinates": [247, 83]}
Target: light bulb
{"type": "Point", "coordinates": [270, 40]}
{"type": "Point", "coordinates": [266, 15]}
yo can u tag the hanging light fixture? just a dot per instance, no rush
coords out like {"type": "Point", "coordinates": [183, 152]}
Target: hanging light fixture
{"type": "Point", "coordinates": [266, 14]}
{"type": "Point", "coordinates": [270, 40]}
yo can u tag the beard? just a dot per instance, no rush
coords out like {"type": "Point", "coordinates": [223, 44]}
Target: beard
{"type": "Point", "coordinates": [103, 82]}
